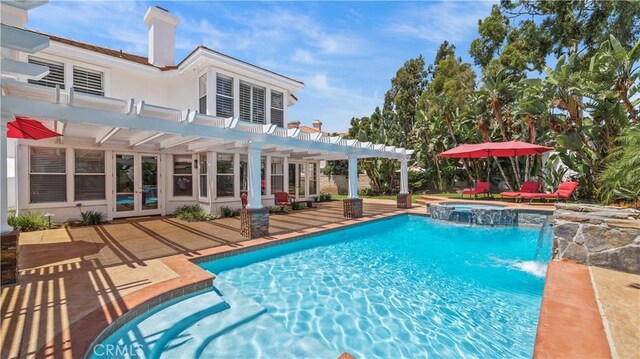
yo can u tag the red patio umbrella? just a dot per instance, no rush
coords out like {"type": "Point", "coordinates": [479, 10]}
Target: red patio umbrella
{"type": "Point", "coordinates": [29, 129]}
{"type": "Point", "coordinates": [495, 149]}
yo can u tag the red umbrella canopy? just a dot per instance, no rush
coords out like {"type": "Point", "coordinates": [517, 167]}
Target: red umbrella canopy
{"type": "Point", "coordinates": [495, 149]}
{"type": "Point", "coordinates": [29, 129]}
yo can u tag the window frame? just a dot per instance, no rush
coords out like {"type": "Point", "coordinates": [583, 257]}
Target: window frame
{"type": "Point", "coordinates": [232, 174]}
{"type": "Point", "coordinates": [65, 174]}
{"type": "Point", "coordinates": [43, 61]}
{"type": "Point", "coordinates": [275, 175]}
{"type": "Point", "coordinates": [202, 96]}
{"type": "Point", "coordinates": [227, 97]}
{"type": "Point", "coordinates": [252, 114]}
{"type": "Point", "coordinates": [83, 90]}
{"type": "Point", "coordinates": [272, 108]}
{"type": "Point", "coordinates": [174, 175]}
{"type": "Point", "coordinates": [203, 175]}
{"type": "Point", "coordinates": [76, 173]}
{"type": "Point", "coordinates": [312, 178]}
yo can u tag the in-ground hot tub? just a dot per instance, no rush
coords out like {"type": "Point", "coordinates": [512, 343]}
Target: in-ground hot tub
{"type": "Point", "coordinates": [474, 213]}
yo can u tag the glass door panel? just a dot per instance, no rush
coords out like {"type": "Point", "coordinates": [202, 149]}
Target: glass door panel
{"type": "Point", "coordinates": [292, 179]}
{"type": "Point", "coordinates": [125, 183]}
{"type": "Point", "coordinates": [149, 191]}
{"type": "Point", "coordinates": [301, 181]}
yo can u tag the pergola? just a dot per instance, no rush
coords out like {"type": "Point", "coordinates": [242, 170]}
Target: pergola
{"type": "Point", "coordinates": [139, 124]}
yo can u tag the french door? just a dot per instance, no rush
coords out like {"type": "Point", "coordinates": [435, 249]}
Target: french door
{"type": "Point", "coordinates": [136, 184]}
{"type": "Point", "coordinates": [297, 180]}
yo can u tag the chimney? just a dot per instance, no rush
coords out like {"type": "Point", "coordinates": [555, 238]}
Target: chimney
{"type": "Point", "coordinates": [317, 124]}
{"type": "Point", "coordinates": [162, 36]}
{"type": "Point", "coordinates": [293, 124]}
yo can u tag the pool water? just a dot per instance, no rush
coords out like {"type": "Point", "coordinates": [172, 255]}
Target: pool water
{"type": "Point", "coordinates": [402, 287]}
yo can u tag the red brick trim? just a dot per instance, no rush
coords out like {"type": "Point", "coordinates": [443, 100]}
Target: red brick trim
{"type": "Point", "coordinates": [570, 324]}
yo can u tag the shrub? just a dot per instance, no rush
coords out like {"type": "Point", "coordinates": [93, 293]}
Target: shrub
{"type": "Point", "coordinates": [193, 213]}
{"type": "Point", "coordinates": [26, 221]}
{"type": "Point", "coordinates": [298, 205]}
{"type": "Point", "coordinates": [279, 209]}
{"type": "Point", "coordinates": [91, 218]}
{"type": "Point", "coordinates": [324, 197]}
{"type": "Point", "coordinates": [226, 212]}
{"type": "Point", "coordinates": [367, 192]}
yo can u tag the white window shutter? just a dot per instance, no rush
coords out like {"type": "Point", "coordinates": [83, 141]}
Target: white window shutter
{"type": "Point", "coordinates": [55, 76]}
{"type": "Point", "coordinates": [88, 81]}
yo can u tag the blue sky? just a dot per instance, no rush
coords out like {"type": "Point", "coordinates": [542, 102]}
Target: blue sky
{"type": "Point", "coordinates": [345, 52]}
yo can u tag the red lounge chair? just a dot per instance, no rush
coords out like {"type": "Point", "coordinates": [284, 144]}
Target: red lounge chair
{"type": "Point", "coordinates": [527, 187]}
{"type": "Point", "coordinates": [282, 199]}
{"type": "Point", "coordinates": [481, 188]}
{"type": "Point", "coordinates": [565, 191]}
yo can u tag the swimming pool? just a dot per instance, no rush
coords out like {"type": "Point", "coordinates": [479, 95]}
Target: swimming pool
{"type": "Point", "coordinates": [407, 286]}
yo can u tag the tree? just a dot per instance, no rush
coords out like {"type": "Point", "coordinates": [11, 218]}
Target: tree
{"type": "Point", "coordinates": [620, 181]}
{"type": "Point", "coordinates": [402, 98]}
{"type": "Point", "coordinates": [521, 34]}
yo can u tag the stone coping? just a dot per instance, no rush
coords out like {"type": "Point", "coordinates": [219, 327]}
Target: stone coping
{"type": "Point", "coordinates": [89, 330]}
{"type": "Point", "coordinates": [570, 324]}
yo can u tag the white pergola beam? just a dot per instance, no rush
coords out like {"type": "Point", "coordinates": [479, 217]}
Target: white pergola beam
{"type": "Point", "coordinates": [28, 107]}
{"type": "Point", "coordinates": [104, 135]}
{"type": "Point", "coordinates": [177, 141]}
{"type": "Point", "coordinates": [21, 40]}
{"type": "Point", "coordinates": [142, 138]}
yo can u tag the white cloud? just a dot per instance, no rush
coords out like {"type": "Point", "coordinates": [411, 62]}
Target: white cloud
{"type": "Point", "coordinates": [435, 22]}
{"type": "Point", "coordinates": [108, 20]}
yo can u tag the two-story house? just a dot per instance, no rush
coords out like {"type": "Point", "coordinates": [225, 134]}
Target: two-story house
{"type": "Point", "coordinates": [144, 135]}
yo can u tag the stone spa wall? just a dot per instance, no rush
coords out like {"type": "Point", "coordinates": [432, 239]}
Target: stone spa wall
{"type": "Point", "coordinates": [598, 236]}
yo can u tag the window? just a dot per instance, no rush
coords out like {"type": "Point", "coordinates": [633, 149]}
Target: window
{"type": "Point", "coordinates": [277, 108]}
{"type": "Point", "coordinates": [301, 180]}
{"type": "Point", "coordinates": [202, 94]}
{"type": "Point", "coordinates": [55, 76]}
{"type": "Point", "coordinates": [313, 178]}
{"type": "Point", "coordinates": [47, 175]}
{"type": "Point", "coordinates": [277, 174]}
{"type": "Point", "coordinates": [89, 177]}
{"type": "Point", "coordinates": [88, 81]}
{"type": "Point", "coordinates": [182, 176]}
{"type": "Point", "coordinates": [244, 168]}
{"type": "Point", "coordinates": [252, 103]}
{"type": "Point", "coordinates": [204, 169]}
{"type": "Point", "coordinates": [224, 175]}
{"type": "Point", "coordinates": [224, 96]}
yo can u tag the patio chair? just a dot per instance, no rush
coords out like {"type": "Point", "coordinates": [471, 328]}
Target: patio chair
{"type": "Point", "coordinates": [282, 199]}
{"type": "Point", "coordinates": [527, 187]}
{"type": "Point", "coordinates": [565, 191]}
{"type": "Point", "coordinates": [481, 188]}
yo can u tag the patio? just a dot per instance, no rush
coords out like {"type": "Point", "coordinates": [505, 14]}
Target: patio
{"type": "Point", "coordinates": [68, 273]}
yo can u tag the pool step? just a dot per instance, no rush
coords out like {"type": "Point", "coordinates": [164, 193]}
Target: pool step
{"type": "Point", "coordinates": [161, 325]}
{"type": "Point", "coordinates": [243, 330]}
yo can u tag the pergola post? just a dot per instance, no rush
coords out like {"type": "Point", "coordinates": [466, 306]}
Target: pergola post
{"type": "Point", "coordinates": [9, 236]}
{"type": "Point", "coordinates": [4, 225]}
{"type": "Point", "coordinates": [254, 220]}
{"type": "Point", "coordinates": [404, 197]}
{"type": "Point", "coordinates": [352, 204]}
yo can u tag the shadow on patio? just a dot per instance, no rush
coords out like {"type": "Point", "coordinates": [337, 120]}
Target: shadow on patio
{"type": "Point", "coordinates": [68, 273]}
